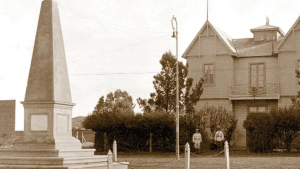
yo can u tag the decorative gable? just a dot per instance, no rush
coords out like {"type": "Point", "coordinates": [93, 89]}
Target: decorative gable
{"type": "Point", "coordinates": [194, 49]}
{"type": "Point", "coordinates": [291, 41]}
{"type": "Point", "coordinates": [209, 41]}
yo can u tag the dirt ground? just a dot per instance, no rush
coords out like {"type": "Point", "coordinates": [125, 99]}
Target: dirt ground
{"type": "Point", "coordinates": [207, 161]}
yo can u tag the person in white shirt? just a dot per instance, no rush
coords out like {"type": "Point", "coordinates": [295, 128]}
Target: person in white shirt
{"type": "Point", "coordinates": [197, 139]}
{"type": "Point", "coordinates": [219, 137]}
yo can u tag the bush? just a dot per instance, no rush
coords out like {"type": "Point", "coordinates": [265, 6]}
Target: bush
{"type": "Point", "coordinates": [286, 124]}
{"type": "Point", "coordinates": [223, 118]}
{"type": "Point", "coordinates": [260, 132]}
{"type": "Point", "coordinates": [211, 117]}
{"type": "Point", "coordinates": [132, 131]}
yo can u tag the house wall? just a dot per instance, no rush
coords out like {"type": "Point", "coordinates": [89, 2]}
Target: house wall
{"type": "Point", "coordinates": [284, 102]}
{"type": "Point", "coordinates": [223, 74]}
{"type": "Point", "coordinates": [288, 57]}
{"type": "Point", "coordinates": [288, 63]}
{"type": "Point", "coordinates": [242, 69]}
{"type": "Point", "coordinates": [208, 48]}
{"type": "Point", "coordinates": [214, 102]}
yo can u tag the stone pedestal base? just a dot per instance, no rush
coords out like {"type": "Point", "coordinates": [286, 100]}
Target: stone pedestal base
{"type": "Point", "coordinates": [50, 153]}
{"type": "Point", "coordinates": [47, 142]}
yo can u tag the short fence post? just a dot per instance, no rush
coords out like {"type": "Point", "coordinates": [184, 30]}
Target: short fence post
{"type": "Point", "coordinates": [226, 149]}
{"type": "Point", "coordinates": [187, 156]}
{"type": "Point", "coordinates": [150, 143]}
{"type": "Point", "coordinates": [109, 160]}
{"type": "Point", "coordinates": [115, 151]}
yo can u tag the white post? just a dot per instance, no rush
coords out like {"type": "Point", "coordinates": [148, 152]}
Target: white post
{"type": "Point", "coordinates": [226, 149]}
{"type": "Point", "coordinates": [109, 160]}
{"type": "Point", "coordinates": [115, 151]}
{"type": "Point", "coordinates": [187, 156]}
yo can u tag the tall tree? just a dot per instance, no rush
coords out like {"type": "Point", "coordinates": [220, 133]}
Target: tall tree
{"type": "Point", "coordinates": [192, 99]}
{"type": "Point", "coordinates": [148, 105]}
{"type": "Point", "coordinates": [164, 84]}
{"type": "Point", "coordinates": [119, 101]}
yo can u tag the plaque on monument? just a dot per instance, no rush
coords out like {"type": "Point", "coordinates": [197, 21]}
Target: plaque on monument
{"type": "Point", "coordinates": [39, 123]}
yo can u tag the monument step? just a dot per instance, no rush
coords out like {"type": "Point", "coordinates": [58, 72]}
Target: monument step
{"type": "Point", "coordinates": [85, 160]}
{"type": "Point", "coordinates": [122, 165]}
{"type": "Point", "coordinates": [60, 146]}
{"type": "Point", "coordinates": [77, 153]}
{"type": "Point", "coordinates": [68, 146]}
{"type": "Point", "coordinates": [51, 160]}
{"type": "Point", "coordinates": [86, 166]}
{"type": "Point", "coordinates": [45, 153]}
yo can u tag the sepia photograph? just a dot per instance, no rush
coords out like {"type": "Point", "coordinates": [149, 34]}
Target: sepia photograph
{"type": "Point", "coordinates": [127, 84]}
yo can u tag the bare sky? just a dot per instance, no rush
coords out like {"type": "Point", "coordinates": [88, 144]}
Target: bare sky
{"type": "Point", "coordinates": [117, 44]}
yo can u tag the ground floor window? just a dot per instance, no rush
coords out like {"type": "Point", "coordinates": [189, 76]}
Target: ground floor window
{"type": "Point", "coordinates": [257, 109]}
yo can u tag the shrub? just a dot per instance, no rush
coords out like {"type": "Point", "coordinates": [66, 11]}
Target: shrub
{"type": "Point", "coordinates": [211, 116]}
{"type": "Point", "coordinates": [132, 131]}
{"type": "Point", "coordinates": [223, 118]}
{"type": "Point", "coordinates": [260, 132]}
{"type": "Point", "coordinates": [286, 124]}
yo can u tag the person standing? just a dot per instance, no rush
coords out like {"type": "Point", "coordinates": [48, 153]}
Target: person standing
{"type": "Point", "coordinates": [219, 137]}
{"type": "Point", "coordinates": [197, 139]}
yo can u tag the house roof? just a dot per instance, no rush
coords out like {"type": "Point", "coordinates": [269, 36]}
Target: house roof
{"type": "Point", "coordinates": [247, 47]}
{"type": "Point", "coordinates": [227, 40]}
{"type": "Point", "coordinates": [225, 37]}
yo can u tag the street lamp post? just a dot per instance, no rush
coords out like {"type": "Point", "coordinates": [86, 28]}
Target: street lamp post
{"type": "Point", "coordinates": [175, 35]}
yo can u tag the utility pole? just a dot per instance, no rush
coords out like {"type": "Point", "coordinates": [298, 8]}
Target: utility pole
{"type": "Point", "coordinates": [175, 35]}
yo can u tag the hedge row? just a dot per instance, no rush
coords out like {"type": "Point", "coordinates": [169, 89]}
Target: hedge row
{"type": "Point", "coordinates": [274, 130]}
{"type": "Point", "coordinates": [132, 131]}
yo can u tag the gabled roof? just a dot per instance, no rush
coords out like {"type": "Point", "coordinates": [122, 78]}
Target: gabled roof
{"type": "Point", "coordinates": [227, 40]}
{"type": "Point", "coordinates": [289, 32]}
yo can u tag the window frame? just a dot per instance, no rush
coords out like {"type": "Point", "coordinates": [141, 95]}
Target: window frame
{"type": "Point", "coordinates": [257, 109]}
{"type": "Point", "coordinates": [205, 83]}
{"type": "Point", "coordinates": [257, 74]}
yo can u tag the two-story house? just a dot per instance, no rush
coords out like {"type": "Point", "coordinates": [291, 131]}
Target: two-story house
{"type": "Point", "coordinates": [250, 75]}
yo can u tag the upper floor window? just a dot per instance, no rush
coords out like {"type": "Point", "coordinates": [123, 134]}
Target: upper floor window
{"type": "Point", "coordinates": [208, 74]}
{"type": "Point", "coordinates": [257, 75]}
{"type": "Point", "coordinates": [259, 109]}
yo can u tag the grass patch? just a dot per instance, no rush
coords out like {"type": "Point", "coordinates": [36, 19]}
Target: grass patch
{"type": "Point", "coordinates": [238, 159]}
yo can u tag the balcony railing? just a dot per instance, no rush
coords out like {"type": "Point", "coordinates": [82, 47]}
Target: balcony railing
{"type": "Point", "coordinates": [254, 91]}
